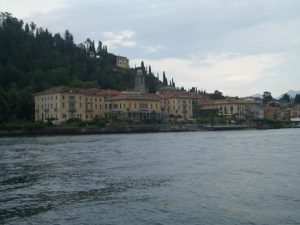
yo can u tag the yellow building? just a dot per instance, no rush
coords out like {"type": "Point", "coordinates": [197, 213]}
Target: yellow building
{"type": "Point", "coordinates": [122, 62]}
{"type": "Point", "coordinates": [230, 108]}
{"type": "Point", "coordinates": [177, 104]}
{"type": "Point", "coordinates": [295, 111]}
{"type": "Point", "coordinates": [63, 103]}
{"type": "Point", "coordinates": [134, 105]}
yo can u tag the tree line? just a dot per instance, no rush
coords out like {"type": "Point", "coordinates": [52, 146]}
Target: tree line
{"type": "Point", "coordinates": [33, 59]}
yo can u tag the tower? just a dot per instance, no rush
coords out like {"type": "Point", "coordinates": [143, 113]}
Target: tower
{"type": "Point", "coordinates": [139, 82]}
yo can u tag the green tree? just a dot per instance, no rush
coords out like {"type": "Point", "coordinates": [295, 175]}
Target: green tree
{"type": "Point", "coordinates": [267, 97]}
{"type": "Point", "coordinates": [165, 80]}
{"type": "Point", "coordinates": [297, 99]}
{"type": "Point", "coordinates": [217, 95]}
{"type": "Point", "coordinates": [285, 98]}
{"type": "Point", "coordinates": [32, 59]}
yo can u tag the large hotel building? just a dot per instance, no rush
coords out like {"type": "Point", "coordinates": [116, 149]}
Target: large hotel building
{"type": "Point", "coordinates": [63, 103]}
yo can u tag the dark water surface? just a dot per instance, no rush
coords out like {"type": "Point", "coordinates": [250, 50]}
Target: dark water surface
{"type": "Point", "coordinates": [235, 177]}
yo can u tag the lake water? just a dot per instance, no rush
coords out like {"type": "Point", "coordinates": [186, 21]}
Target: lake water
{"type": "Point", "coordinates": [232, 177]}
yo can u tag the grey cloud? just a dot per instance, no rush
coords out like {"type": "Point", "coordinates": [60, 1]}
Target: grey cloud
{"type": "Point", "coordinates": [182, 27]}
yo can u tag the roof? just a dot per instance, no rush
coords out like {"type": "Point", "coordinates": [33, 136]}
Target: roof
{"type": "Point", "coordinates": [86, 91]}
{"type": "Point", "coordinates": [132, 95]}
{"type": "Point", "coordinates": [229, 100]}
{"type": "Point", "coordinates": [180, 94]}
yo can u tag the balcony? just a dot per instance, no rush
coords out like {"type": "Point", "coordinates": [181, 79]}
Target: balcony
{"type": "Point", "coordinates": [88, 110]}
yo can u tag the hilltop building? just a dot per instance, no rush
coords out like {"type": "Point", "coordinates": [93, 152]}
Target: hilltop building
{"type": "Point", "coordinates": [122, 62]}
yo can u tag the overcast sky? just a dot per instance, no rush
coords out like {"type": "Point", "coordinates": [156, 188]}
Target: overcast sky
{"type": "Point", "coordinates": [239, 47]}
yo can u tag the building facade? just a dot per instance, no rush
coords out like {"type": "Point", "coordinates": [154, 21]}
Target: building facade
{"type": "Point", "coordinates": [123, 62]}
{"type": "Point", "coordinates": [236, 108]}
{"type": "Point", "coordinates": [63, 103]}
{"type": "Point", "coordinates": [177, 104]}
{"type": "Point", "coordinates": [135, 105]}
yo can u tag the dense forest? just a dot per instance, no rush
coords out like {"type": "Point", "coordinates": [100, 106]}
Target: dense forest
{"type": "Point", "coordinates": [33, 59]}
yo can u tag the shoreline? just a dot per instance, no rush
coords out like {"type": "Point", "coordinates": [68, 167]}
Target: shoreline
{"type": "Point", "coordinates": [53, 131]}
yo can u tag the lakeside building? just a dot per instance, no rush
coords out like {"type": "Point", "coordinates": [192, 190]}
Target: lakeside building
{"type": "Point", "coordinates": [295, 115]}
{"type": "Point", "coordinates": [135, 105]}
{"type": "Point", "coordinates": [229, 108]}
{"type": "Point", "coordinates": [235, 108]}
{"type": "Point", "coordinates": [63, 103]}
{"type": "Point", "coordinates": [273, 110]}
{"type": "Point", "coordinates": [177, 104]}
{"type": "Point", "coordinates": [122, 62]}
{"type": "Point", "coordinates": [295, 111]}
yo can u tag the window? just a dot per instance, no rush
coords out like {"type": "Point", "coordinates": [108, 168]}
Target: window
{"type": "Point", "coordinates": [71, 105]}
{"type": "Point", "coordinates": [143, 106]}
{"type": "Point", "coordinates": [63, 97]}
{"type": "Point", "coordinates": [63, 105]}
